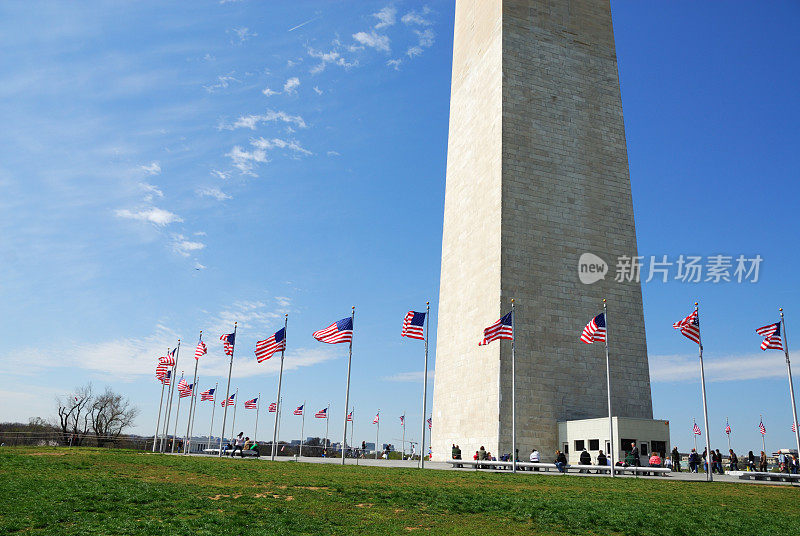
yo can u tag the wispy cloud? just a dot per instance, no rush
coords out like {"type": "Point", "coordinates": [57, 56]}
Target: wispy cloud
{"type": "Point", "coordinates": [685, 368]}
{"type": "Point", "coordinates": [386, 17]}
{"type": "Point", "coordinates": [156, 216]}
{"type": "Point", "coordinates": [418, 18]}
{"type": "Point", "coordinates": [240, 35]}
{"type": "Point", "coordinates": [333, 153]}
{"type": "Point", "coordinates": [332, 57]}
{"type": "Point", "coordinates": [317, 90]}
{"type": "Point", "coordinates": [408, 376]}
{"type": "Point", "coordinates": [223, 81]}
{"type": "Point", "coordinates": [152, 168]}
{"type": "Point", "coordinates": [291, 85]}
{"type": "Point", "coordinates": [151, 191]}
{"type": "Point", "coordinates": [221, 174]}
{"type": "Point", "coordinates": [184, 247]}
{"type": "Point", "coordinates": [373, 40]}
{"type": "Point", "coordinates": [213, 191]}
{"type": "Point", "coordinates": [245, 161]}
{"type": "Point", "coordinates": [395, 63]}
{"type": "Point", "coordinates": [425, 40]}
{"type": "Point", "coordinates": [252, 121]}
{"type": "Point", "coordinates": [292, 145]}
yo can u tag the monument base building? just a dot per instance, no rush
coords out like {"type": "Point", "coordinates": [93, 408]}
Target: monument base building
{"type": "Point", "coordinates": [537, 175]}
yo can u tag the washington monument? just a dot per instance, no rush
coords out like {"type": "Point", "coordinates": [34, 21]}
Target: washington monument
{"type": "Point", "coordinates": [537, 175]}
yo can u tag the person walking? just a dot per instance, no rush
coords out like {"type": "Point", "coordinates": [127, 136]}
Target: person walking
{"type": "Point", "coordinates": [694, 461]}
{"type": "Point", "coordinates": [751, 461]}
{"type": "Point", "coordinates": [718, 460]}
{"type": "Point", "coordinates": [676, 460]}
{"type": "Point", "coordinates": [734, 460]}
{"type": "Point", "coordinates": [238, 444]}
{"type": "Point", "coordinates": [762, 462]}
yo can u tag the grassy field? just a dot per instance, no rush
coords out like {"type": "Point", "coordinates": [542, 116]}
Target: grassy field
{"type": "Point", "coordinates": [89, 491]}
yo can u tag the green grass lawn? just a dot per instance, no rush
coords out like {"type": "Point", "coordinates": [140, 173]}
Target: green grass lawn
{"type": "Point", "coordinates": [91, 491]}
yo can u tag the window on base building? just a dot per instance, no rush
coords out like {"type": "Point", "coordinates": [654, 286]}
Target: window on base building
{"type": "Point", "coordinates": [594, 444]}
{"type": "Point", "coordinates": [579, 443]}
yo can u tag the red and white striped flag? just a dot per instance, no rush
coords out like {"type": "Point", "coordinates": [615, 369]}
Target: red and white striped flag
{"type": "Point", "coordinates": [350, 417]}
{"type": "Point", "coordinates": [430, 423]}
{"type": "Point", "coordinates": [338, 332]}
{"type": "Point", "coordinates": [184, 389]}
{"type": "Point", "coordinates": [772, 336]}
{"type": "Point", "coordinates": [377, 418]}
{"type": "Point", "coordinates": [267, 348]}
{"type": "Point", "coordinates": [696, 429]}
{"type": "Point", "coordinates": [201, 350]}
{"type": "Point", "coordinates": [595, 330]}
{"type": "Point", "coordinates": [161, 371]}
{"type": "Point", "coordinates": [322, 414]}
{"type": "Point", "coordinates": [690, 327]}
{"type": "Point", "coordinates": [762, 428]}
{"type": "Point", "coordinates": [168, 360]}
{"type": "Point", "coordinates": [208, 394]}
{"type": "Point", "coordinates": [251, 404]}
{"type": "Point", "coordinates": [228, 341]}
{"type": "Point", "coordinates": [273, 407]}
{"type": "Point", "coordinates": [413, 325]}
{"type": "Point", "coordinates": [228, 402]}
{"type": "Point", "coordinates": [502, 329]}
{"type": "Point", "coordinates": [793, 428]}
{"type": "Point", "coordinates": [299, 410]}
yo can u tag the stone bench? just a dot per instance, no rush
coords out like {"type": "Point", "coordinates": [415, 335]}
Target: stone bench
{"type": "Point", "coordinates": [548, 467]}
{"type": "Point", "coordinates": [775, 477]}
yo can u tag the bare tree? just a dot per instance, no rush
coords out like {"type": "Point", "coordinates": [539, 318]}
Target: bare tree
{"type": "Point", "coordinates": [111, 413]}
{"type": "Point", "coordinates": [74, 415]}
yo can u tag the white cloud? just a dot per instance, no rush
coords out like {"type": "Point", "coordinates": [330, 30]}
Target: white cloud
{"type": "Point", "coordinates": [223, 81]}
{"type": "Point", "coordinates": [386, 17]}
{"type": "Point", "coordinates": [154, 215]}
{"type": "Point", "coordinates": [425, 40]}
{"type": "Point", "coordinates": [373, 39]}
{"type": "Point", "coordinates": [184, 247]}
{"type": "Point", "coordinates": [686, 368]}
{"type": "Point", "coordinates": [200, 233]}
{"type": "Point", "coordinates": [283, 301]}
{"type": "Point", "coordinates": [152, 169]}
{"type": "Point", "coordinates": [291, 85]}
{"type": "Point", "coordinates": [333, 153]}
{"type": "Point", "coordinates": [252, 121]}
{"type": "Point", "coordinates": [214, 192]}
{"type": "Point", "coordinates": [198, 266]}
{"type": "Point", "coordinates": [292, 63]}
{"type": "Point", "coordinates": [242, 35]}
{"type": "Point", "coordinates": [268, 92]}
{"type": "Point", "coordinates": [152, 191]}
{"type": "Point", "coordinates": [221, 174]}
{"type": "Point", "coordinates": [317, 90]}
{"type": "Point", "coordinates": [395, 63]}
{"type": "Point", "coordinates": [245, 161]}
{"type": "Point", "coordinates": [332, 57]}
{"type": "Point", "coordinates": [413, 17]}
{"type": "Point", "coordinates": [408, 377]}
{"type": "Point", "coordinates": [293, 145]}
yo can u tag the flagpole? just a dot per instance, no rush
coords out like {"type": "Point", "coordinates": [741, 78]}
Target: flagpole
{"type": "Point", "coordinates": [608, 389]}
{"type": "Point", "coordinates": [695, 435]}
{"type": "Point", "coordinates": [425, 383]}
{"type": "Point", "coordinates": [403, 454]}
{"type": "Point", "coordinates": [213, 410]}
{"type": "Point", "coordinates": [302, 429]}
{"type": "Point", "coordinates": [175, 428]}
{"type": "Point", "coordinates": [791, 385]}
{"type": "Point", "coordinates": [258, 406]}
{"type": "Point", "coordinates": [513, 393]}
{"type": "Point", "coordinates": [233, 422]}
{"type": "Point", "coordinates": [192, 415]}
{"type": "Point", "coordinates": [194, 384]}
{"type": "Point", "coordinates": [327, 422]}
{"type": "Point", "coordinates": [280, 380]}
{"type": "Point", "coordinates": [347, 390]}
{"type": "Point", "coordinates": [227, 391]}
{"type": "Point", "coordinates": [763, 443]}
{"type": "Point", "coordinates": [728, 434]}
{"type": "Point", "coordinates": [709, 475]}
{"type": "Point", "coordinates": [279, 411]}
{"type": "Point", "coordinates": [158, 421]}
{"type": "Point", "coordinates": [171, 397]}
{"type": "Point", "coordinates": [352, 423]}
{"type": "Point", "coordinates": [377, 431]}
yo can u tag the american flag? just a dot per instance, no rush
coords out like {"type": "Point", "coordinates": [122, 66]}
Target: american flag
{"type": "Point", "coordinates": [727, 427]}
{"type": "Point", "coordinates": [762, 428]}
{"type": "Point", "coordinates": [793, 428]}
{"type": "Point", "coordinates": [184, 389]}
{"type": "Point", "coordinates": [266, 348]}
{"type": "Point", "coordinates": [163, 375]}
{"type": "Point", "coordinates": [696, 429]}
{"type": "Point", "coordinates": [377, 418]}
{"type": "Point", "coordinates": [273, 407]}
{"type": "Point", "coordinates": [413, 324]}
{"type": "Point", "coordinates": [167, 360]}
{"type": "Point", "coordinates": [322, 414]}
{"type": "Point", "coordinates": [341, 331]}
{"type": "Point", "coordinates": [201, 350]}
{"type": "Point", "coordinates": [299, 410]}
{"type": "Point", "coordinates": [402, 420]}
{"type": "Point", "coordinates": [772, 337]}
{"type": "Point", "coordinates": [161, 371]}
{"type": "Point", "coordinates": [207, 395]}
{"type": "Point", "coordinates": [502, 329]}
{"type": "Point", "coordinates": [251, 404]}
{"type": "Point", "coordinates": [430, 422]}
{"type": "Point", "coordinates": [595, 330]}
{"type": "Point", "coordinates": [690, 327]}
{"type": "Point", "coordinates": [228, 340]}
{"type": "Point", "coordinates": [350, 417]}
{"type": "Point", "coordinates": [228, 402]}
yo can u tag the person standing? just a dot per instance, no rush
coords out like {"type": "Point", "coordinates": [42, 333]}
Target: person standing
{"type": "Point", "coordinates": [676, 460]}
{"type": "Point", "coordinates": [751, 461]}
{"type": "Point", "coordinates": [635, 455]}
{"type": "Point", "coordinates": [694, 461]}
{"type": "Point", "coordinates": [762, 462]}
{"type": "Point", "coordinates": [734, 460]}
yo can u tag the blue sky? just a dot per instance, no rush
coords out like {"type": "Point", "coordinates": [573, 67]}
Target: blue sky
{"type": "Point", "coordinates": [172, 168]}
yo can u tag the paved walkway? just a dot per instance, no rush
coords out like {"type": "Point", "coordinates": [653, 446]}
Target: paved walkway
{"type": "Point", "coordinates": [408, 464]}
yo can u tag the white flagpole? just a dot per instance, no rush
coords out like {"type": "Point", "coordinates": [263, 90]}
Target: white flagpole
{"type": "Point", "coordinates": [695, 435]}
{"type": "Point", "coordinates": [171, 396]}
{"type": "Point", "coordinates": [425, 383]}
{"type": "Point", "coordinates": [513, 392]}
{"type": "Point", "coordinates": [791, 385]}
{"type": "Point", "coordinates": [158, 421]}
{"type": "Point", "coordinates": [377, 431]}
{"type": "Point", "coordinates": [347, 390]}
{"type": "Point", "coordinates": [175, 428]}
{"type": "Point", "coordinates": [608, 388]}
{"type": "Point", "coordinates": [233, 422]}
{"type": "Point", "coordinates": [327, 422]}
{"type": "Point", "coordinates": [302, 429]}
{"type": "Point", "coordinates": [280, 380]}
{"type": "Point", "coordinates": [191, 402]}
{"type": "Point", "coordinates": [258, 410]}
{"type": "Point", "coordinates": [709, 475]}
{"type": "Point", "coordinates": [280, 414]}
{"type": "Point", "coordinates": [227, 392]}
{"type": "Point", "coordinates": [728, 434]}
{"type": "Point", "coordinates": [192, 416]}
{"type": "Point", "coordinates": [213, 409]}
{"type": "Point", "coordinates": [403, 455]}
{"type": "Point", "coordinates": [763, 443]}
{"type": "Point", "coordinates": [351, 432]}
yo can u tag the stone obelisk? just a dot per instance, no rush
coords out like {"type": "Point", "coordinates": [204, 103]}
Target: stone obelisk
{"type": "Point", "coordinates": [537, 174]}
